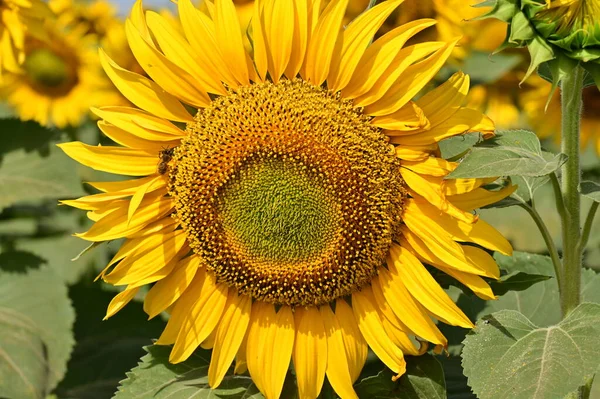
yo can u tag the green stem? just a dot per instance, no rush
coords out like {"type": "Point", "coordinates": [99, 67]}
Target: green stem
{"type": "Point", "coordinates": [560, 207]}
{"type": "Point", "coordinates": [571, 101]}
{"type": "Point", "coordinates": [587, 227]}
{"type": "Point", "coordinates": [548, 240]}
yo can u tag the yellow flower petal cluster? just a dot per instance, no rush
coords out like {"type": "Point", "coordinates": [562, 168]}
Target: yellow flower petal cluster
{"type": "Point", "coordinates": [288, 199]}
{"type": "Point", "coordinates": [19, 18]}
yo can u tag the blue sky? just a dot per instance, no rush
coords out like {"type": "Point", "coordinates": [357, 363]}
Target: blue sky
{"type": "Point", "coordinates": [124, 6]}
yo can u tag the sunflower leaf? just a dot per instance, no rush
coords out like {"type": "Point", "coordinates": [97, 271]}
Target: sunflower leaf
{"type": "Point", "coordinates": [155, 377]}
{"type": "Point", "coordinates": [509, 153]}
{"type": "Point", "coordinates": [591, 190]}
{"type": "Point", "coordinates": [105, 349]}
{"type": "Point", "coordinates": [35, 333]}
{"type": "Point", "coordinates": [516, 281]}
{"type": "Point", "coordinates": [424, 379]}
{"type": "Point", "coordinates": [527, 361]}
{"type": "Point", "coordinates": [32, 168]}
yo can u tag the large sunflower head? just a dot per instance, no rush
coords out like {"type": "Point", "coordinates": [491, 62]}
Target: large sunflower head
{"type": "Point", "coordinates": [289, 197]}
{"type": "Point", "coordinates": [17, 20]}
{"type": "Point", "coordinates": [61, 78]}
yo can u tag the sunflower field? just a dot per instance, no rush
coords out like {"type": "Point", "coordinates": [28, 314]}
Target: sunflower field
{"type": "Point", "coordinates": [305, 199]}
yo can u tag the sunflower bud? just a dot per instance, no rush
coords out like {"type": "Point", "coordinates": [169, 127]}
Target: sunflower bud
{"type": "Point", "coordinates": [561, 33]}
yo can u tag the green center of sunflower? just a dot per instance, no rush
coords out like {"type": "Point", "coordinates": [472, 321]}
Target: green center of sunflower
{"type": "Point", "coordinates": [46, 68]}
{"type": "Point", "coordinates": [278, 211]}
{"type": "Point", "coordinates": [287, 193]}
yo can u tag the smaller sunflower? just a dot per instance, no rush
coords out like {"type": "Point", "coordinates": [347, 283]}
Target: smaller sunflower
{"type": "Point", "coordinates": [61, 79]}
{"type": "Point", "coordinates": [17, 19]}
{"type": "Point", "coordinates": [546, 122]}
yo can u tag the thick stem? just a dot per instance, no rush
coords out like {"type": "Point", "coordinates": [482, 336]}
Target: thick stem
{"type": "Point", "coordinates": [571, 101]}
{"type": "Point", "coordinates": [549, 242]}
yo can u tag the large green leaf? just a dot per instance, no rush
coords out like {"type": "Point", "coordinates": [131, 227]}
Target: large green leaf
{"type": "Point", "coordinates": [531, 362]}
{"type": "Point", "coordinates": [509, 153]}
{"type": "Point", "coordinates": [105, 350]}
{"type": "Point", "coordinates": [28, 176]}
{"type": "Point", "coordinates": [424, 379]}
{"type": "Point", "coordinates": [155, 377]}
{"type": "Point", "coordinates": [35, 310]}
{"type": "Point", "coordinates": [456, 146]}
{"type": "Point", "coordinates": [591, 190]}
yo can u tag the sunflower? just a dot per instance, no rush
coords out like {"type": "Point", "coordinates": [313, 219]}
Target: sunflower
{"type": "Point", "coordinates": [546, 122]}
{"type": "Point", "coordinates": [61, 78]}
{"type": "Point", "coordinates": [17, 19]}
{"type": "Point", "coordinates": [289, 218]}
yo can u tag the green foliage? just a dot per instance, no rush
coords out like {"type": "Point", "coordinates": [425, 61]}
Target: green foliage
{"type": "Point", "coordinates": [516, 281]}
{"type": "Point", "coordinates": [591, 190]}
{"type": "Point", "coordinates": [155, 377]}
{"type": "Point", "coordinates": [105, 350]}
{"type": "Point", "coordinates": [33, 168]}
{"type": "Point", "coordinates": [424, 379]}
{"type": "Point", "coordinates": [527, 361]}
{"type": "Point", "coordinates": [35, 333]}
{"type": "Point", "coordinates": [509, 153]}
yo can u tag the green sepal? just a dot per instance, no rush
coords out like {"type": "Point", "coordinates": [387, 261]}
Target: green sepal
{"type": "Point", "coordinates": [555, 70]}
{"type": "Point", "coordinates": [540, 52]}
{"type": "Point", "coordinates": [594, 70]}
{"type": "Point", "coordinates": [521, 30]}
{"type": "Point", "coordinates": [504, 10]}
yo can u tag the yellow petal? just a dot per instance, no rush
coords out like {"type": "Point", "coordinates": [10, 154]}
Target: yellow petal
{"type": "Point", "coordinates": [139, 21]}
{"type": "Point", "coordinates": [310, 351]}
{"type": "Point", "coordinates": [355, 40]}
{"type": "Point", "coordinates": [125, 138]}
{"type": "Point", "coordinates": [384, 80]}
{"type": "Point", "coordinates": [126, 186]}
{"type": "Point", "coordinates": [460, 262]}
{"type": "Point", "coordinates": [229, 336]}
{"type": "Point", "coordinates": [300, 38]}
{"type": "Point", "coordinates": [229, 39]}
{"type": "Point", "coordinates": [279, 28]}
{"type": "Point", "coordinates": [441, 103]}
{"type": "Point", "coordinates": [119, 160]}
{"type": "Point", "coordinates": [412, 80]}
{"type": "Point", "coordinates": [479, 233]}
{"type": "Point", "coordinates": [168, 290]}
{"type": "Point", "coordinates": [408, 311]}
{"type": "Point", "coordinates": [120, 300]}
{"type": "Point", "coordinates": [140, 123]}
{"type": "Point", "coordinates": [401, 339]}
{"type": "Point", "coordinates": [138, 196]}
{"type": "Point", "coordinates": [379, 56]}
{"type": "Point", "coordinates": [432, 166]}
{"type": "Point", "coordinates": [202, 318]}
{"type": "Point", "coordinates": [178, 50]}
{"type": "Point", "coordinates": [370, 326]}
{"type": "Point", "coordinates": [181, 309]}
{"type": "Point", "coordinates": [354, 342]}
{"type": "Point", "coordinates": [480, 197]}
{"type": "Point", "coordinates": [269, 348]}
{"type": "Point", "coordinates": [323, 41]}
{"type": "Point", "coordinates": [337, 370]}
{"type": "Point", "coordinates": [199, 30]}
{"type": "Point", "coordinates": [423, 287]}
{"type": "Point", "coordinates": [164, 225]}
{"type": "Point", "coordinates": [241, 365]}
{"type": "Point", "coordinates": [413, 153]}
{"type": "Point", "coordinates": [116, 224]}
{"type": "Point", "coordinates": [162, 248]}
{"type": "Point", "coordinates": [463, 121]}
{"type": "Point", "coordinates": [408, 118]}
{"type": "Point", "coordinates": [165, 72]}
{"type": "Point", "coordinates": [430, 189]}
{"type": "Point", "coordinates": [144, 93]}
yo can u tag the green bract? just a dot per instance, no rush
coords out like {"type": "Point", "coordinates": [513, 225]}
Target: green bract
{"type": "Point", "coordinates": [562, 36]}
